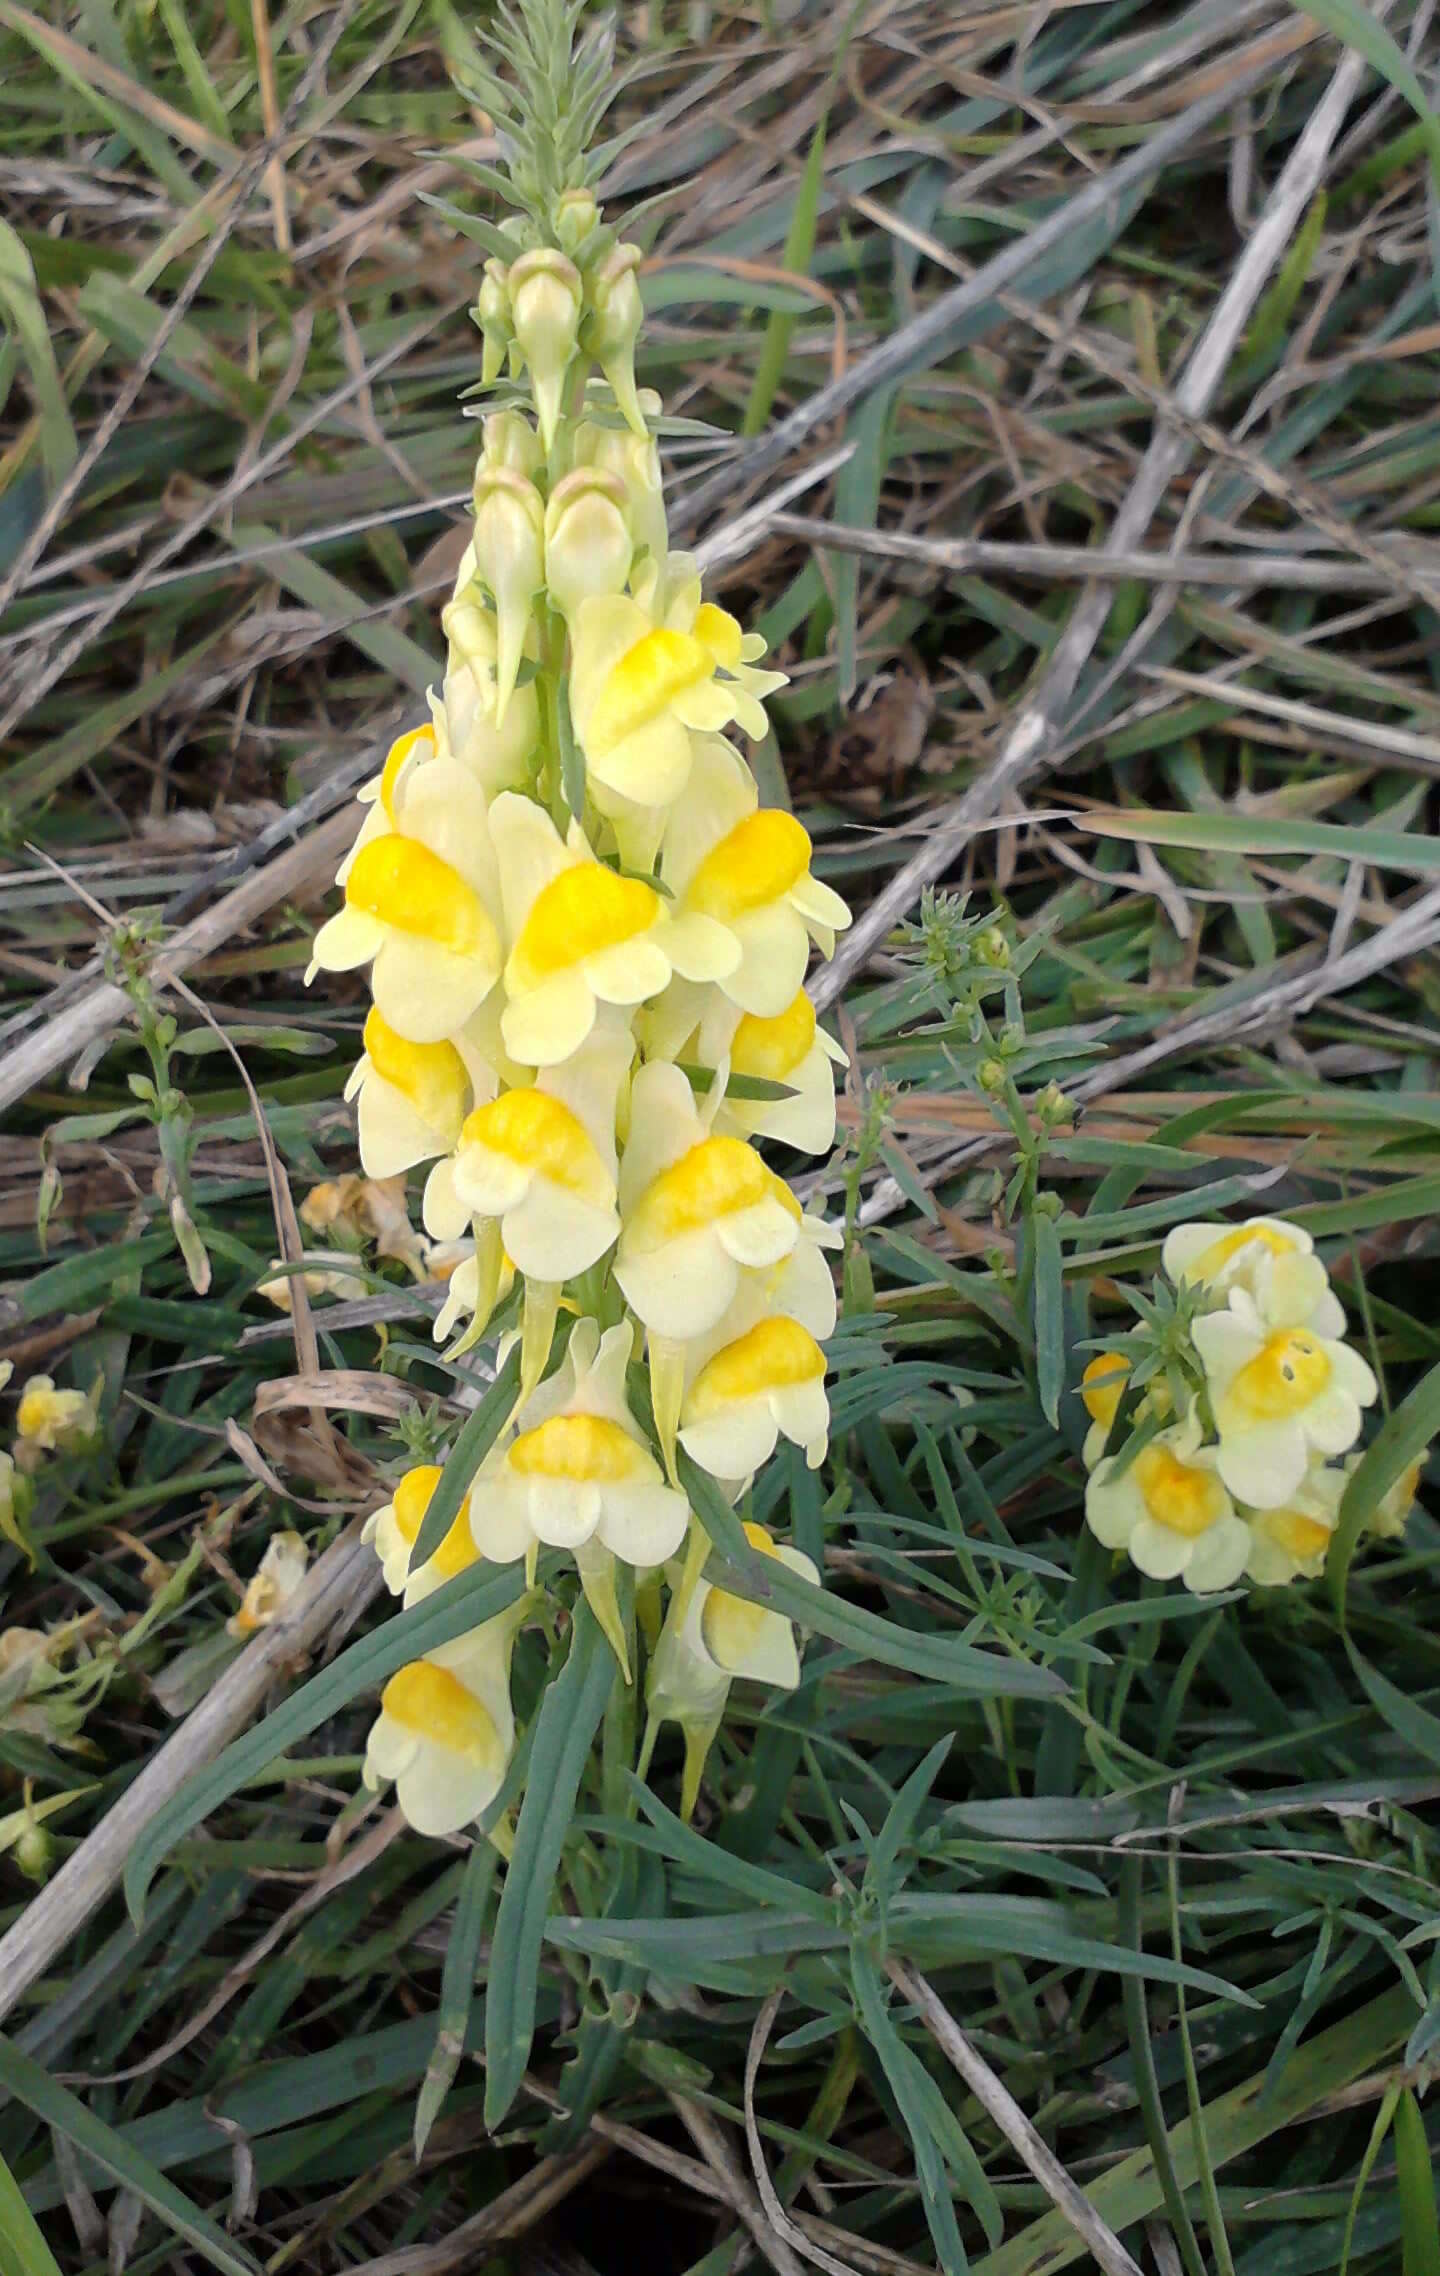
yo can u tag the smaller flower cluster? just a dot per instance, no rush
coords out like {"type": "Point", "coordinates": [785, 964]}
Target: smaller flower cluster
{"type": "Point", "coordinates": [1226, 1455]}
{"type": "Point", "coordinates": [48, 1420]}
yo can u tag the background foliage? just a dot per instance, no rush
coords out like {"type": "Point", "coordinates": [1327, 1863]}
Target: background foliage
{"type": "Point", "coordinates": [1184, 1906]}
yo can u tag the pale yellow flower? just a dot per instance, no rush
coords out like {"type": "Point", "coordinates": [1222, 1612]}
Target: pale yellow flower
{"type": "Point", "coordinates": [579, 1471]}
{"type": "Point", "coordinates": [582, 935]}
{"type": "Point", "coordinates": [1168, 1508]}
{"type": "Point", "coordinates": [697, 1211]}
{"type": "Point", "coordinates": [48, 1421]}
{"type": "Point", "coordinates": [498, 752]}
{"type": "Point", "coordinates": [1391, 1514]}
{"type": "Point", "coordinates": [640, 686]}
{"type": "Point", "coordinates": [1269, 1259]}
{"type": "Point", "coordinates": [446, 1730]}
{"type": "Point", "coordinates": [394, 1528]}
{"type": "Point", "coordinates": [747, 868]}
{"type": "Point", "coordinates": [766, 1383]}
{"type": "Point", "coordinates": [419, 896]}
{"type": "Point", "coordinates": [412, 1098]}
{"type": "Point", "coordinates": [1291, 1543]}
{"type": "Point", "coordinates": [542, 1161]}
{"type": "Point", "coordinates": [479, 1279]}
{"type": "Point", "coordinates": [710, 1638]}
{"type": "Point", "coordinates": [1102, 1386]}
{"type": "Point", "coordinates": [1279, 1393]}
{"type": "Point", "coordinates": [272, 1588]}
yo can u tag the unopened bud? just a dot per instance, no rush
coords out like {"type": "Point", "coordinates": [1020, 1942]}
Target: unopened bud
{"type": "Point", "coordinates": [510, 559]}
{"type": "Point", "coordinates": [492, 313]}
{"type": "Point", "coordinates": [587, 543]}
{"type": "Point", "coordinates": [991, 1076]}
{"type": "Point", "coordinates": [35, 1851]}
{"type": "Point", "coordinates": [576, 214]}
{"type": "Point", "coordinates": [1053, 1107]}
{"type": "Point", "coordinates": [510, 441]}
{"type": "Point", "coordinates": [466, 727]}
{"type": "Point", "coordinates": [617, 313]}
{"type": "Point", "coordinates": [994, 947]}
{"type": "Point", "coordinates": [545, 301]}
{"type": "Point", "coordinates": [635, 462]}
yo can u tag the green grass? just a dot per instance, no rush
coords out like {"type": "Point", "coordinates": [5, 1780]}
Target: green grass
{"type": "Point", "coordinates": [1170, 1864]}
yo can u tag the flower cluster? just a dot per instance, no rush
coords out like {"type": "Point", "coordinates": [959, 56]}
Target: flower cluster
{"type": "Point", "coordinates": [1230, 1461]}
{"type": "Point", "coordinates": [587, 944]}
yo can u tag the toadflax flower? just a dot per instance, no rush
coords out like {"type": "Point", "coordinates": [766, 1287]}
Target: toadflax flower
{"type": "Point", "coordinates": [542, 1161]}
{"type": "Point", "coordinates": [468, 726]}
{"type": "Point", "coordinates": [710, 1638]}
{"type": "Point", "coordinates": [747, 868]}
{"type": "Point", "coordinates": [273, 1586]}
{"type": "Point", "coordinates": [701, 1027]}
{"type": "Point", "coordinates": [1169, 1509]}
{"type": "Point", "coordinates": [1387, 1520]}
{"type": "Point", "coordinates": [697, 1211]}
{"type": "Point", "coordinates": [640, 686]}
{"type": "Point", "coordinates": [446, 1730]}
{"type": "Point", "coordinates": [413, 1097]}
{"type": "Point", "coordinates": [419, 896]}
{"type": "Point", "coordinates": [51, 1421]}
{"type": "Point", "coordinates": [1269, 1259]}
{"type": "Point", "coordinates": [579, 1475]}
{"type": "Point", "coordinates": [1278, 1392]}
{"type": "Point", "coordinates": [582, 935]}
{"type": "Point", "coordinates": [1102, 1387]}
{"type": "Point", "coordinates": [1291, 1543]}
{"type": "Point", "coordinates": [394, 1528]}
{"type": "Point", "coordinates": [765, 1383]}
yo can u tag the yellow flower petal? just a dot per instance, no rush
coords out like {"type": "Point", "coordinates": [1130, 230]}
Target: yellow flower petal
{"type": "Point", "coordinates": [541, 1135]}
{"type": "Point", "coordinates": [582, 1449]}
{"type": "Point", "coordinates": [771, 1356]}
{"type": "Point", "coordinates": [717, 1178]}
{"type": "Point", "coordinates": [405, 885]}
{"type": "Point", "coordinates": [412, 1498]}
{"type": "Point", "coordinates": [754, 864]}
{"type": "Point", "coordinates": [431, 1076]}
{"type": "Point", "coordinates": [771, 1049]}
{"type": "Point", "coordinates": [435, 1704]}
{"type": "Point", "coordinates": [583, 911]}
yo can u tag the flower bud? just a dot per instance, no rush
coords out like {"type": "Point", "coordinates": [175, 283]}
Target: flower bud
{"type": "Point", "coordinates": [511, 441]}
{"type": "Point", "coordinates": [587, 541]}
{"type": "Point", "coordinates": [576, 214]}
{"type": "Point", "coordinates": [498, 756]}
{"type": "Point", "coordinates": [635, 461]}
{"type": "Point", "coordinates": [616, 316]}
{"type": "Point", "coordinates": [35, 1850]}
{"type": "Point", "coordinates": [991, 1076]}
{"type": "Point", "coordinates": [492, 313]}
{"type": "Point", "coordinates": [510, 559]}
{"type": "Point", "coordinates": [545, 300]}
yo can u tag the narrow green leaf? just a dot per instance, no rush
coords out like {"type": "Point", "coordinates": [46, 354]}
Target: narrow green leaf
{"type": "Point", "coordinates": [20, 300]}
{"type": "Point", "coordinates": [457, 1987]}
{"type": "Point", "coordinates": [799, 247]}
{"type": "Point", "coordinates": [1354, 23]}
{"type": "Point", "coordinates": [23, 2250]}
{"type": "Point", "coordinates": [59, 2108]}
{"type": "Point", "coordinates": [1264, 834]}
{"type": "Point", "coordinates": [1419, 2221]}
{"type": "Point", "coordinates": [569, 1718]}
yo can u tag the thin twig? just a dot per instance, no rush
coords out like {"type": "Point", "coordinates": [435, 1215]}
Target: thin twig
{"type": "Point", "coordinates": [1000, 2103]}
{"type": "Point", "coordinates": [341, 1582]}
